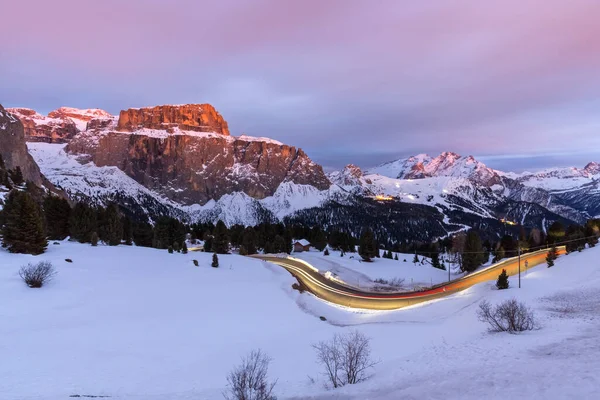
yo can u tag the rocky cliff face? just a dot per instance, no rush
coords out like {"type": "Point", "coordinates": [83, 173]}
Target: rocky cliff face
{"type": "Point", "coordinates": [188, 117]}
{"type": "Point", "coordinates": [38, 128]}
{"type": "Point", "coordinates": [168, 149]}
{"type": "Point", "coordinates": [14, 150]}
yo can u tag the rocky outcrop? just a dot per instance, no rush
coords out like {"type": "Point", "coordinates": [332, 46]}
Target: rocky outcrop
{"type": "Point", "coordinates": [188, 167]}
{"type": "Point", "coordinates": [77, 114]}
{"type": "Point", "coordinates": [38, 128]}
{"type": "Point", "coordinates": [14, 150]}
{"type": "Point", "coordinates": [188, 117]}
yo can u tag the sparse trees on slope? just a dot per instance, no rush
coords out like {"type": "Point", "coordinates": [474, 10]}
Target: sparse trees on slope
{"type": "Point", "coordinates": [23, 227]}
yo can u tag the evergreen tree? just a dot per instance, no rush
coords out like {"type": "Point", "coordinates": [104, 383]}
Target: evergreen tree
{"type": "Point", "coordinates": [318, 239]}
{"type": "Point", "coordinates": [113, 227]}
{"type": "Point", "coordinates": [127, 231]}
{"type": "Point", "coordinates": [176, 247]}
{"type": "Point", "coordinates": [279, 245]}
{"type": "Point", "coordinates": [249, 240]}
{"type": "Point", "coordinates": [57, 213]}
{"type": "Point", "coordinates": [215, 261]}
{"type": "Point", "coordinates": [243, 251]}
{"type": "Point", "coordinates": [288, 237]}
{"type": "Point", "coordinates": [472, 257]}
{"type": "Point", "coordinates": [208, 243]}
{"type": "Point", "coordinates": [166, 231]}
{"type": "Point", "coordinates": [551, 256]}
{"type": "Point", "coordinates": [367, 247]}
{"type": "Point", "coordinates": [342, 253]}
{"type": "Point", "coordinates": [498, 254]}
{"type": "Point", "coordinates": [23, 226]}
{"type": "Point", "coordinates": [143, 234]}
{"type": "Point", "coordinates": [16, 175]}
{"type": "Point", "coordinates": [396, 257]}
{"type": "Point", "coordinates": [221, 238]}
{"type": "Point", "coordinates": [556, 232]}
{"type": "Point", "coordinates": [170, 249]}
{"type": "Point", "coordinates": [326, 252]}
{"type": "Point", "coordinates": [435, 260]}
{"type": "Point", "coordinates": [94, 239]}
{"type": "Point", "coordinates": [184, 249]}
{"type": "Point", "coordinates": [82, 222]}
{"type": "Point", "coordinates": [415, 259]}
{"type": "Point", "coordinates": [502, 282]}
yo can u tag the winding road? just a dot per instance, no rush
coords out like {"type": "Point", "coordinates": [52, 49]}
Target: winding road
{"type": "Point", "coordinates": [338, 293]}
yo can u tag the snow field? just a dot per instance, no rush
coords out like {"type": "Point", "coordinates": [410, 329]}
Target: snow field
{"type": "Point", "coordinates": [137, 323]}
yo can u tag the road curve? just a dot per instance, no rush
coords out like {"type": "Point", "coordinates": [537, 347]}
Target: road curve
{"type": "Point", "coordinates": [339, 293]}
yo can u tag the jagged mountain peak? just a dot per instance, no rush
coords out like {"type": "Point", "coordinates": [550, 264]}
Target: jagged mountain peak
{"type": "Point", "coordinates": [448, 163]}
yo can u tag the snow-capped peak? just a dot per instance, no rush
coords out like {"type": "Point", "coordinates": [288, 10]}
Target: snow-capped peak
{"type": "Point", "coordinates": [448, 164]}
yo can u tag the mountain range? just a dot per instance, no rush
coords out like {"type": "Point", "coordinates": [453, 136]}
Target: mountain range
{"type": "Point", "coordinates": [181, 160]}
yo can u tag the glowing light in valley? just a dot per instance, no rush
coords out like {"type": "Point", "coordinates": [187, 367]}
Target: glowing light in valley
{"type": "Point", "coordinates": [383, 197]}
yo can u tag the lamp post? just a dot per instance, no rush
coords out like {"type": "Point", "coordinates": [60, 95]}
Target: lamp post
{"type": "Point", "coordinates": [519, 266]}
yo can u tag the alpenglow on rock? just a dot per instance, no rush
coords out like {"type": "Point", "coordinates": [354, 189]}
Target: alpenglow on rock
{"type": "Point", "coordinates": [187, 117]}
{"type": "Point", "coordinates": [186, 154]}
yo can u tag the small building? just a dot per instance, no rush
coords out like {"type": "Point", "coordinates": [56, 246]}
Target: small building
{"type": "Point", "coordinates": [301, 245]}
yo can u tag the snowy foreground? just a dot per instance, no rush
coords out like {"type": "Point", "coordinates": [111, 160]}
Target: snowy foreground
{"type": "Point", "coordinates": [142, 324]}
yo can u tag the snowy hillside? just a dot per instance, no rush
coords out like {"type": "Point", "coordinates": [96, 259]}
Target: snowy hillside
{"type": "Point", "coordinates": [82, 179]}
{"type": "Point", "coordinates": [136, 323]}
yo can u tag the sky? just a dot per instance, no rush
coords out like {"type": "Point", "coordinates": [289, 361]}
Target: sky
{"type": "Point", "coordinates": [515, 83]}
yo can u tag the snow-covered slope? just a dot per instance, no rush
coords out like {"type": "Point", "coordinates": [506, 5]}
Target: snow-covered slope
{"type": "Point", "coordinates": [136, 323]}
{"type": "Point", "coordinates": [82, 179]}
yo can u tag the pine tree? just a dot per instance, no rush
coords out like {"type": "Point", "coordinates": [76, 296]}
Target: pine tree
{"type": "Point", "coordinates": [498, 254]}
{"type": "Point", "coordinates": [342, 253]}
{"type": "Point", "coordinates": [23, 229]}
{"type": "Point", "coordinates": [57, 213]}
{"type": "Point", "coordinates": [82, 222]}
{"type": "Point", "coordinates": [208, 243]}
{"type": "Point", "coordinates": [16, 175]}
{"type": "Point", "coordinates": [288, 238]}
{"type": "Point", "coordinates": [326, 252]}
{"type": "Point", "coordinates": [221, 238]}
{"type": "Point", "coordinates": [551, 256]}
{"type": "Point", "coordinates": [415, 259]}
{"type": "Point", "coordinates": [127, 231]}
{"type": "Point", "coordinates": [396, 257]}
{"type": "Point", "coordinates": [318, 239]}
{"type": "Point", "coordinates": [367, 248]}
{"type": "Point", "coordinates": [184, 249]}
{"type": "Point", "coordinates": [249, 240]}
{"type": "Point", "coordinates": [170, 249]}
{"type": "Point", "coordinates": [176, 247]}
{"type": "Point", "coordinates": [113, 227]}
{"type": "Point", "coordinates": [215, 261]}
{"type": "Point", "coordinates": [143, 234]}
{"type": "Point", "coordinates": [472, 257]}
{"type": "Point", "coordinates": [94, 239]}
{"type": "Point", "coordinates": [502, 282]}
{"type": "Point", "coordinates": [243, 251]}
{"type": "Point", "coordinates": [435, 260]}
{"type": "Point", "coordinates": [279, 245]}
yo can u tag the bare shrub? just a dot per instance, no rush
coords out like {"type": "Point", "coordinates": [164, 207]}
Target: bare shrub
{"type": "Point", "coordinates": [346, 359]}
{"type": "Point", "coordinates": [248, 381]}
{"type": "Point", "coordinates": [509, 316]}
{"type": "Point", "coordinates": [36, 275]}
